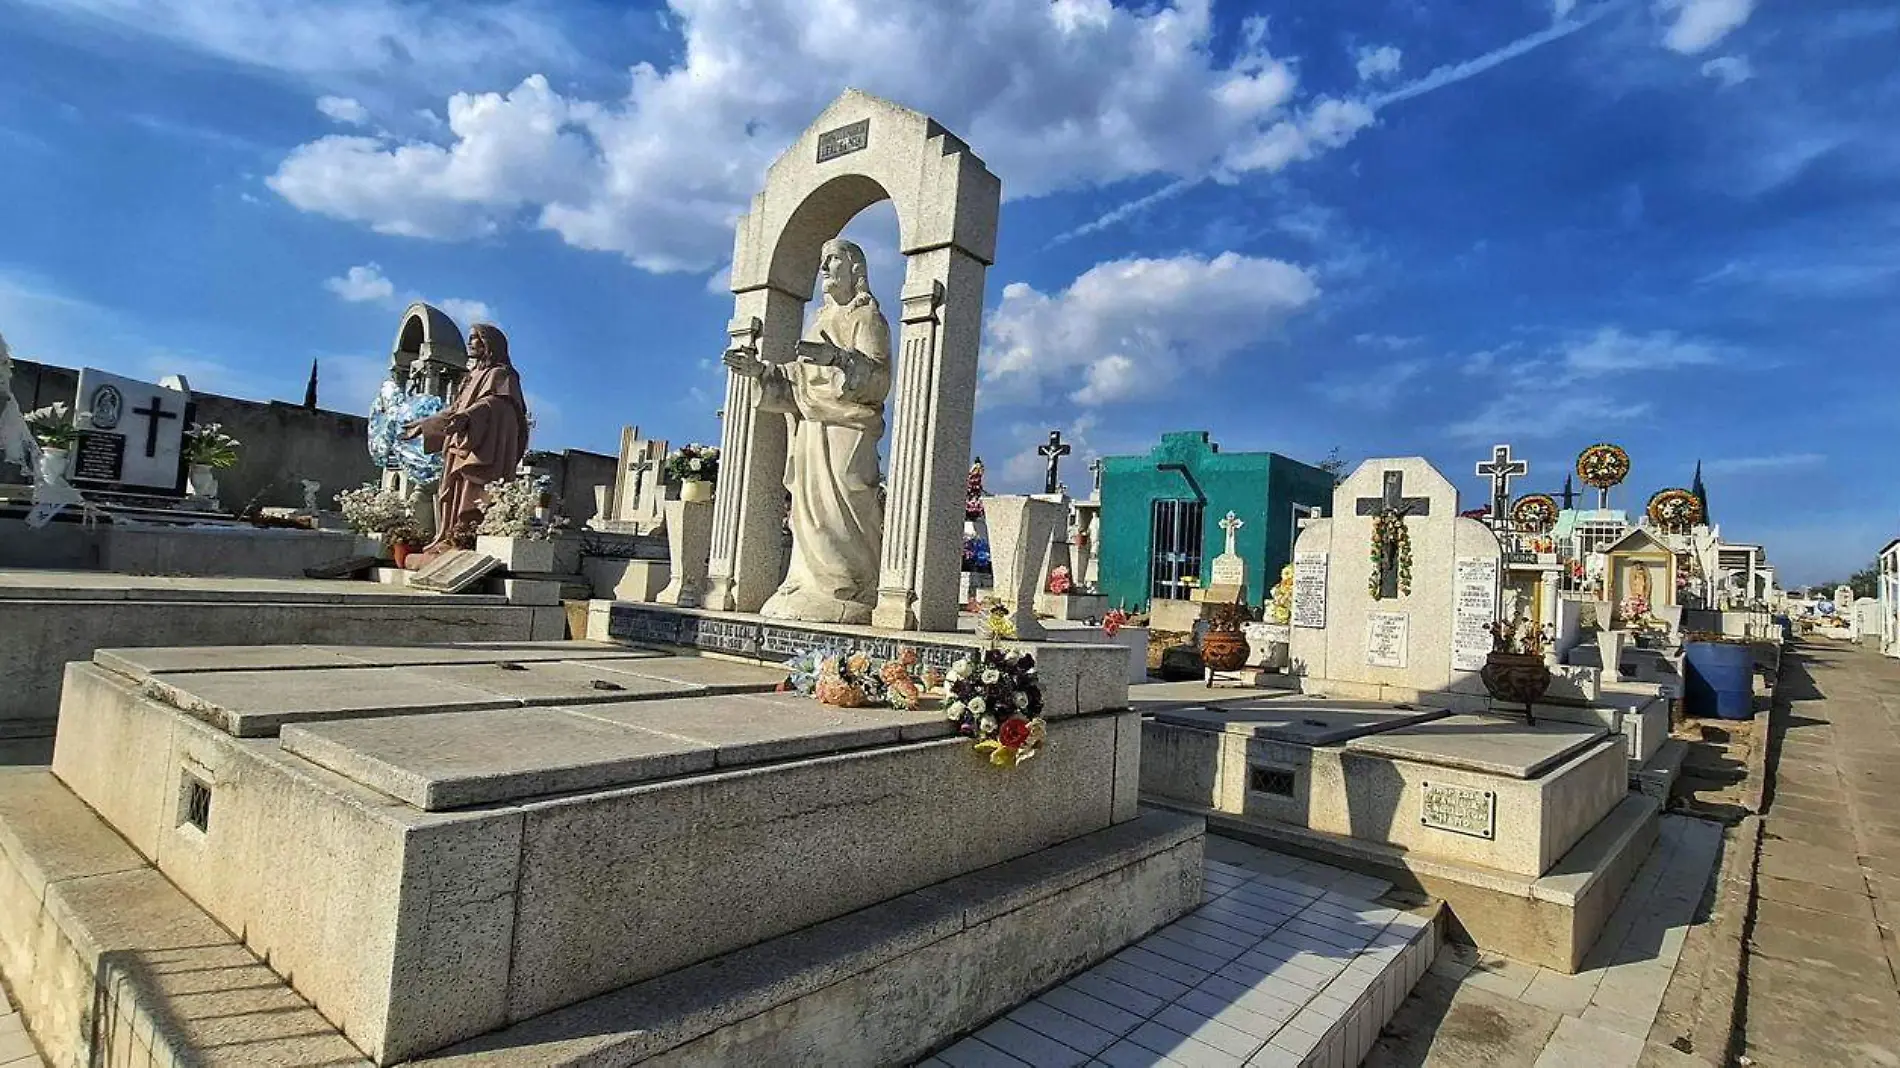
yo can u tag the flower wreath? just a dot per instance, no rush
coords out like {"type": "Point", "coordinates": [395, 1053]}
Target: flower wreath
{"type": "Point", "coordinates": [1603, 465]}
{"type": "Point", "coordinates": [996, 698]}
{"type": "Point", "coordinates": [1536, 513]}
{"type": "Point", "coordinates": [1675, 509]}
{"type": "Point", "coordinates": [1389, 529]}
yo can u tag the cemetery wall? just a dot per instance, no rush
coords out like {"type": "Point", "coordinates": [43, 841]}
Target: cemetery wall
{"type": "Point", "coordinates": [572, 476]}
{"type": "Point", "coordinates": [283, 443]}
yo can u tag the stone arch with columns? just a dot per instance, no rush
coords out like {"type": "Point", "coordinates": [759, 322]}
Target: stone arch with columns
{"type": "Point", "coordinates": [862, 150]}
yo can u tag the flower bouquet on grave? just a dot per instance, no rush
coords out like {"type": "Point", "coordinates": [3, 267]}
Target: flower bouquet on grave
{"type": "Point", "coordinates": [1060, 581]}
{"type": "Point", "coordinates": [996, 698]}
{"type": "Point", "coordinates": [973, 491]}
{"type": "Point", "coordinates": [52, 426]}
{"type": "Point", "coordinates": [1634, 612]}
{"type": "Point", "coordinates": [207, 445]}
{"type": "Point", "coordinates": [1114, 621]}
{"type": "Point", "coordinates": [519, 508]}
{"type": "Point", "coordinates": [976, 554]}
{"type": "Point", "coordinates": [371, 509]}
{"type": "Point", "coordinates": [693, 463]}
{"type": "Point", "coordinates": [1515, 670]}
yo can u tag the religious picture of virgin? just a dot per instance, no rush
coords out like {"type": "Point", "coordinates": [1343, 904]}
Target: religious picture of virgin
{"type": "Point", "coordinates": [832, 393]}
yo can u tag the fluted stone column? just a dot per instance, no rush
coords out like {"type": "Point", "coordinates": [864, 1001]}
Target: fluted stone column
{"type": "Point", "coordinates": [748, 552]}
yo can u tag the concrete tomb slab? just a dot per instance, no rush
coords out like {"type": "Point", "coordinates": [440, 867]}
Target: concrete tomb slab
{"type": "Point", "coordinates": [257, 704]}
{"type": "Point", "coordinates": [484, 652]}
{"type": "Point", "coordinates": [140, 663]}
{"type": "Point", "coordinates": [459, 759]}
{"type": "Point", "coordinates": [454, 571]}
{"type": "Point", "coordinates": [1303, 722]}
{"type": "Point", "coordinates": [558, 682]}
{"type": "Point", "coordinates": [717, 676]}
{"type": "Point", "coordinates": [1484, 744]}
{"type": "Point", "coordinates": [751, 729]}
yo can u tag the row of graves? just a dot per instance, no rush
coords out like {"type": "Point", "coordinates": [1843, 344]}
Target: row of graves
{"type": "Point", "coordinates": [805, 810]}
{"type": "Point", "coordinates": [1433, 732]}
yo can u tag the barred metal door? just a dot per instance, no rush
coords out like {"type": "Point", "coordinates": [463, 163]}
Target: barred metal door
{"type": "Point", "coordinates": [1175, 548]}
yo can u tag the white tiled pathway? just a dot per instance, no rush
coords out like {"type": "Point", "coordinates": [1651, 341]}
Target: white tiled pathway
{"type": "Point", "coordinates": [1288, 962]}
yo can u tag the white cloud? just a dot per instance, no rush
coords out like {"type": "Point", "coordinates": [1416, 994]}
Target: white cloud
{"type": "Point", "coordinates": [1381, 62]}
{"type": "Point", "coordinates": [1377, 390]}
{"type": "Point", "coordinates": [1573, 386]}
{"type": "Point", "coordinates": [465, 312]}
{"type": "Point", "coordinates": [331, 41]}
{"type": "Point", "coordinates": [1697, 25]}
{"type": "Point", "coordinates": [1729, 70]}
{"type": "Point", "coordinates": [1742, 465]}
{"type": "Point", "coordinates": [364, 282]}
{"type": "Point", "coordinates": [1134, 324]}
{"type": "Point", "coordinates": [1053, 96]}
{"type": "Point", "coordinates": [1561, 9]}
{"type": "Point", "coordinates": [343, 109]}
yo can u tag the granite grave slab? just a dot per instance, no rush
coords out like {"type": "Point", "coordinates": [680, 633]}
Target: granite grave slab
{"type": "Point", "coordinates": [1299, 722]}
{"type": "Point", "coordinates": [751, 729]}
{"type": "Point", "coordinates": [455, 760]}
{"type": "Point", "coordinates": [1484, 744]}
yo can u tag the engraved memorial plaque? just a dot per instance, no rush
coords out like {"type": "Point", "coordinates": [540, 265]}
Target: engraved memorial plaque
{"type": "Point", "coordinates": [1309, 590]}
{"type": "Point", "coordinates": [1387, 635]}
{"type": "Point", "coordinates": [1475, 606]}
{"type": "Point", "coordinates": [844, 140]}
{"type": "Point", "coordinates": [98, 456]}
{"type": "Point", "coordinates": [1459, 809]}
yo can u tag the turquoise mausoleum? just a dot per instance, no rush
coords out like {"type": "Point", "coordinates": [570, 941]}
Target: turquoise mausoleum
{"type": "Point", "coordinates": [1161, 515]}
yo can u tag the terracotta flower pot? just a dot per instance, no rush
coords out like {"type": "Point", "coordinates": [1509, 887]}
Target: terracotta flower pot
{"type": "Point", "coordinates": [1516, 677]}
{"type": "Point", "coordinates": [400, 551]}
{"type": "Point", "coordinates": [1224, 650]}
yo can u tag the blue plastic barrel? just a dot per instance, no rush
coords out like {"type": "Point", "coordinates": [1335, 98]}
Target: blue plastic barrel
{"type": "Point", "coordinates": [1719, 680]}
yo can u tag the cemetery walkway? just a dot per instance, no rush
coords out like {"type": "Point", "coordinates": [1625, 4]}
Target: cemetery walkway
{"type": "Point", "coordinates": [1820, 986]}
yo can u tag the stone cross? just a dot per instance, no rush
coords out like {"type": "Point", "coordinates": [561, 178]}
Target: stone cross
{"type": "Point", "coordinates": [639, 467]}
{"type": "Point", "coordinates": [152, 416]}
{"type": "Point", "coordinates": [1500, 469]}
{"type": "Point", "coordinates": [1231, 525]}
{"type": "Point", "coordinates": [1055, 450]}
{"type": "Point", "coordinates": [1395, 501]}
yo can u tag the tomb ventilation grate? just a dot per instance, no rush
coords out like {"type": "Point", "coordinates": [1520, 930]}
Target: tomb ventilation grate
{"type": "Point", "coordinates": [1265, 780]}
{"type": "Point", "coordinates": [196, 803]}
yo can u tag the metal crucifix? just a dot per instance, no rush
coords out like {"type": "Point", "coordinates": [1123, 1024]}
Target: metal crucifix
{"type": "Point", "coordinates": [1055, 450]}
{"type": "Point", "coordinates": [1500, 469]}
{"type": "Point", "coordinates": [1392, 504]}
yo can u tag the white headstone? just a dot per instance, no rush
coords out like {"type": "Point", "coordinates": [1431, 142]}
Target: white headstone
{"type": "Point", "coordinates": [1393, 615]}
{"type": "Point", "coordinates": [132, 432]}
{"type": "Point", "coordinates": [1229, 569]}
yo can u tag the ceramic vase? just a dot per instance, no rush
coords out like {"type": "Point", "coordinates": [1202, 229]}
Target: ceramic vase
{"type": "Point", "coordinates": [1224, 650]}
{"type": "Point", "coordinates": [53, 466]}
{"type": "Point", "coordinates": [1520, 678]}
{"type": "Point", "coordinates": [696, 490]}
{"type": "Point", "coordinates": [202, 482]}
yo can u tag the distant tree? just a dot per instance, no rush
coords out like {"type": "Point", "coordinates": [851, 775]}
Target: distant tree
{"type": "Point", "coordinates": [1334, 465]}
{"type": "Point", "coordinates": [1866, 581]}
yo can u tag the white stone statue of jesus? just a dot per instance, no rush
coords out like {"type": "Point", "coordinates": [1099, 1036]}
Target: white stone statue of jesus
{"type": "Point", "coordinates": [833, 394]}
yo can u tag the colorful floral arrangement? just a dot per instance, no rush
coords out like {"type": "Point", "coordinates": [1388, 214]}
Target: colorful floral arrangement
{"type": "Point", "coordinates": [1060, 581]}
{"type": "Point", "coordinates": [1388, 530]}
{"type": "Point", "coordinates": [693, 463]}
{"type": "Point", "coordinates": [1114, 621]}
{"type": "Point", "coordinates": [1280, 606]}
{"type": "Point", "coordinates": [206, 444]}
{"type": "Point", "coordinates": [1535, 513]}
{"type": "Point", "coordinates": [996, 698]}
{"type": "Point", "coordinates": [1603, 465]}
{"type": "Point", "coordinates": [1675, 509]}
{"type": "Point", "coordinates": [1633, 609]}
{"type": "Point", "coordinates": [519, 508]}
{"type": "Point", "coordinates": [1519, 636]}
{"type": "Point", "coordinates": [973, 491]}
{"type": "Point", "coordinates": [976, 554]}
{"type": "Point", "coordinates": [856, 680]}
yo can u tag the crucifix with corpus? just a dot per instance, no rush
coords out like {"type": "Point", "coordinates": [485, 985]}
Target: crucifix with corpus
{"type": "Point", "coordinates": [1392, 553]}
{"type": "Point", "coordinates": [1500, 469]}
{"type": "Point", "coordinates": [1054, 450]}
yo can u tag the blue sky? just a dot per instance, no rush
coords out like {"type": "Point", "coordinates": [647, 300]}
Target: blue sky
{"type": "Point", "coordinates": [1392, 226]}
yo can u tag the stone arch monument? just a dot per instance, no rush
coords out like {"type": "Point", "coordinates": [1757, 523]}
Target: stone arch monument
{"type": "Point", "coordinates": [428, 354]}
{"type": "Point", "coordinates": [862, 150]}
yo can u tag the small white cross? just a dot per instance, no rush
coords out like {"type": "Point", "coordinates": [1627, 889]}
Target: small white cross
{"type": "Point", "coordinates": [1231, 525]}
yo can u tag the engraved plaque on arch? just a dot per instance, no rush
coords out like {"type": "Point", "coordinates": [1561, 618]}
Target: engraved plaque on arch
{"type": "Point", "coordinates": [844, 140]}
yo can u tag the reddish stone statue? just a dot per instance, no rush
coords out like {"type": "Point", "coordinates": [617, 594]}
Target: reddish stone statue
{"type": "Point", "coordinates": [481, 435]}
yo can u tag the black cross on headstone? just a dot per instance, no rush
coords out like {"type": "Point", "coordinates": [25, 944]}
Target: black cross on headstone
{"type": "Point", "coordinates": [1395, 501]}
{"type": "Point", "coordinates": [1095, 472]}
{"type": "Point", "coordinates": [152, 416]}
{"type": "Point", "coordinates": [1055, 450]}
{"type": "Point", "coordinates": [1500, 469]}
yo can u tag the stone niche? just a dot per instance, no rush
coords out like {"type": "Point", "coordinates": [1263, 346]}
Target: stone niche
{"type": "Point", "coordinates": [433, 843]}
